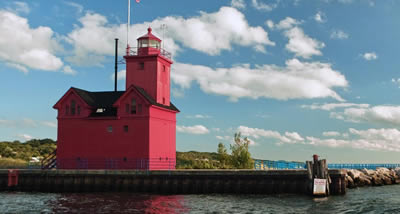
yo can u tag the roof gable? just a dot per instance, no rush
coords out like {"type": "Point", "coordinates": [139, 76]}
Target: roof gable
{"type": "Point", "coordinates": [141, 92]}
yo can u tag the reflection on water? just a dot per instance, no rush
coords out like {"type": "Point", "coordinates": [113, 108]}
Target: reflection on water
{"type": "Point", "coordinates": [364, 200]}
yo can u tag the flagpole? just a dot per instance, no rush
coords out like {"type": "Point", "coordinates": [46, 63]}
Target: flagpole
{"type": "Point", "coordinates": [127, 27]}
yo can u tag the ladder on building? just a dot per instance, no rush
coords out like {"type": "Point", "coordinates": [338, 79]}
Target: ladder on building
{"type": "Point", "coordinates": [50, 162]}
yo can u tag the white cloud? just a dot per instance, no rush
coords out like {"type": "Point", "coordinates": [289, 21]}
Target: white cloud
{"type": "Point", "coordinates": [226, 138]}
{"type": "Point", "coordinates": [396, 81]}
{"type": "Point", "coordinates": [24, 137]}
{"type": "Point", "coordinates": [31, 47]}
{"type": "Point", "coordinates": [198, 116]}
{"type": "Point", "coordinates": [21, 7]}
{"type": "Point", "coordinates": [78, 7]}
{"type": "Point", "coordinates": [370, 56]}
{"type": "Point", "coordinates": [260, 5]}
{"type": "Point", "coordinates": [121, 75]}
{"type": "Point", "coordinates": [287, 23]}
{"type": "Point", "coordinates": [320, 17]}
{"type": "Point", "coordinates": [240, 4]}
{"type": "Point", "coordinates": [177, 92]}
{"type": "Point", "coordinates": [270, 24]}
{"type": "Point", "coordinates": [197, 129]}
{"type": "Point", "coordinates": [302, 45]}
{"type": "Point", "coordinates": [370, 139]}
{"type": "Point", "coordinates": [210, 33]}
{"type": "Point", "coordinates": [296, 80]}
{"type": "Point", "coordinates": [331, 134]}
{"type": "Point", "coordinates": [387, 115]}
{"type": "Point", "coordinates": [339, 34]}
{"type": "Point", "coordinates": [333, 106]}
{"type": "Point", "coordinates": [68, 70]}
{"type": "Point", "coordinates": [299, 43]}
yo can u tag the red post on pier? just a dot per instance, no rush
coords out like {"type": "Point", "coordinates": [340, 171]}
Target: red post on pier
{"type": "Point", "coordinates": [315, 158]}
{"type": "Point", "coordinates": [12, 177]}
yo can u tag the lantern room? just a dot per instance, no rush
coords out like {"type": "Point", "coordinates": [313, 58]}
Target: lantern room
{"type": "Point", "coordinates": [148, 44]}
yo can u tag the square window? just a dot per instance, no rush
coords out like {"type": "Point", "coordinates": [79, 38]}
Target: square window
{"type": "Point", "coordinates": [109, 129]}
{"type": "Point", "coordinates": [126, 128]}
{"type": "Point", "coordinates": [141, 65]}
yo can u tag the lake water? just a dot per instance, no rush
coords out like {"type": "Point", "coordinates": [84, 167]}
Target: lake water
{"type": "Point", "coordinates": [384, 199]}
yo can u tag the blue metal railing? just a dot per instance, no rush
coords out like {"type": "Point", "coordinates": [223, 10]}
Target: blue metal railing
{"type": "Point", "coordinates": [268, 164]}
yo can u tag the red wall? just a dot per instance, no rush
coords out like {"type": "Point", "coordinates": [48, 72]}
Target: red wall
{"type": "Point", "coordinates": [162, 137]}
{"type": "Point", "coordinates": [86, 142]}
{"type": "Point", "coordinates": [153, 79]}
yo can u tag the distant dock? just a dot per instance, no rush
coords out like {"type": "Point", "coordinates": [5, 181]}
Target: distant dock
{"type": "Point", "coordinates": [167, 182]}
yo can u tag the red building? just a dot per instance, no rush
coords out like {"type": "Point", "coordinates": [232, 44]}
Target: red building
{"type": "Point", "coordinates": [131, 129]}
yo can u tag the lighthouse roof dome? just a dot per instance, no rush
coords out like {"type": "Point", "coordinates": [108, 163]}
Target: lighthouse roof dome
{"type": "Point", "coordinates": [149, 36]}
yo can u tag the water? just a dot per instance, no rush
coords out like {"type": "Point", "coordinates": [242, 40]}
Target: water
{"type": "Point", "coordinates": [384, 199]}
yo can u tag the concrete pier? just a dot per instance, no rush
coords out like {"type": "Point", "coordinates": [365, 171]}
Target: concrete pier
{"type": "Point", "coordinates": [169, 182]}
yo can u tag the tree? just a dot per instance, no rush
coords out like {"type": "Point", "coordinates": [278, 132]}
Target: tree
{"type": "Point", "coordinates": [241, 157]}
{"type": "Point", "coordinates": [223, 156]}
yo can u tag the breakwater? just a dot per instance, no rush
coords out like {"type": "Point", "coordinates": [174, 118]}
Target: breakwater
{"type": "Point", "coordinates": [168, 182]}
{"type": "Point", "coordinates": [366, 177]}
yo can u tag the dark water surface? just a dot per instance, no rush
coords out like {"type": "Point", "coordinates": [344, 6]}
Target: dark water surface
{"type": "Point", "coordinates": [384, 199]}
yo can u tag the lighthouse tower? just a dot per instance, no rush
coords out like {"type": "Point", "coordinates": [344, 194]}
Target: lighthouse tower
{"type": "Point", "coordinates": [150, 68]}
{"type": "Point", "coordinates": [131, 129]}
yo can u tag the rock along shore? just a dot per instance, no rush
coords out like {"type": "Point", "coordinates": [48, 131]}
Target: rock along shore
{"type": "Point", "coordinates": [366, 177]}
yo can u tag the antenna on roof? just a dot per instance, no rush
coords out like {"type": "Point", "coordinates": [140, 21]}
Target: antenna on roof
{"type": "Point", "coordinates": [116, 64]}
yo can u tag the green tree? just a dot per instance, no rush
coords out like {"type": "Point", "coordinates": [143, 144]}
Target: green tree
{"type": "Point", "coordinates": [241, 157]}
{"type": "Point", "coordinates": [223, 156]}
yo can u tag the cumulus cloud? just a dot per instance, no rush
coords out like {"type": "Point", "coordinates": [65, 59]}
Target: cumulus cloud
{"type": "Point", "coordinates": [370, 56]}
{"type": "Point", "coordinates": [240, 4]}
{"type": "Point", "coordinates": [31, 47]}
{"type": "Point", "coordinates": [320, 17]}
{"type": "Point", "coordinates": [370, 139]}
{"type": "Point", "coordinates": [302, 45]}
{"type": "Point", "coordinates": [299, 43]}
{"type": "Point", "coordinates": [260, 5]}
{"type": "Point", "coordinates": [284, 24]}
{"type": "Point", "coordinates": [121, 75]}
{"type": "Point", "coordinates": [197, 129]}
{"type": "Point", "coordinates": [209, 33]}
{"type": "Point", "coordinates": [386, 115]}
{"type": "Point", "coordinates": [288, 137]}
{"type": "Point", "coordinates": [339, 34]}
{"type": "Point", "coordinates": [296, 80]}
{"type": "Point", "coordinates": [68, 70]}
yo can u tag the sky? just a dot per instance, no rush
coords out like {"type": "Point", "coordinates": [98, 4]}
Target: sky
{"type": "Point", "coordinates": [297, 77]}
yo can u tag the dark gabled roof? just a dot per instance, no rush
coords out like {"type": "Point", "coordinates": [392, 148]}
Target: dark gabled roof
{"type": "Point", "coordinates": [106, 99]}
{"type": "Point", "coordinates": [102, 99]}
{"type": "Point", "coordinates": [153, 102]}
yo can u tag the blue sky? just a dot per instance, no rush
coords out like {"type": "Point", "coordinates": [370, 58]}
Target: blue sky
{"type": "Point", "coordinates": [296, 77]}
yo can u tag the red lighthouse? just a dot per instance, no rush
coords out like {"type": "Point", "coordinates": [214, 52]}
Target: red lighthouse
{"type": "Point", "coordinates": [131, 129]}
